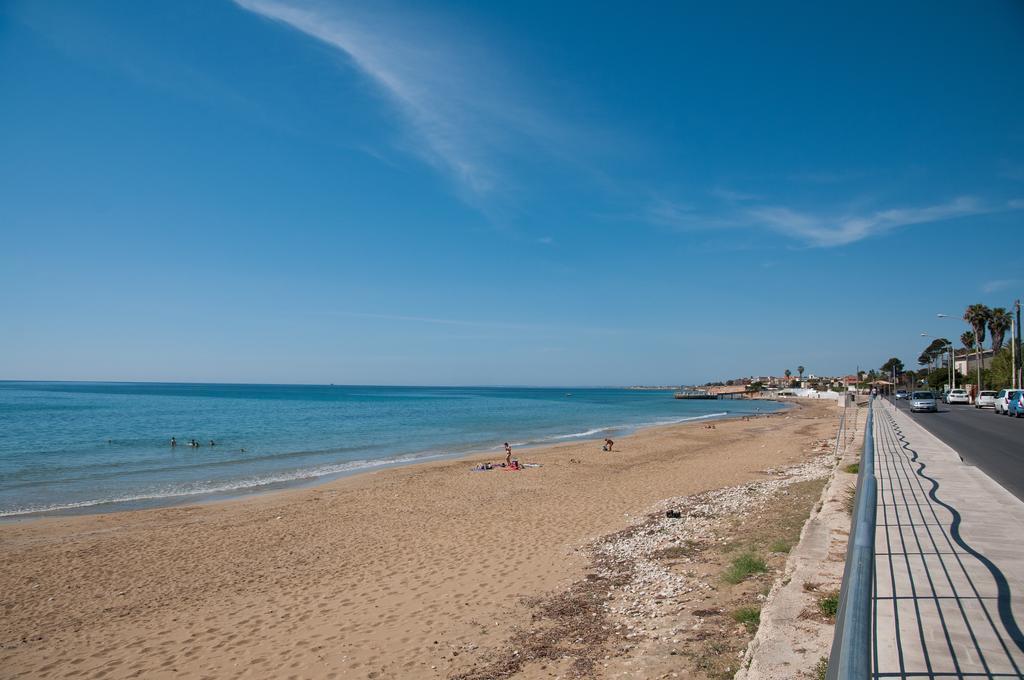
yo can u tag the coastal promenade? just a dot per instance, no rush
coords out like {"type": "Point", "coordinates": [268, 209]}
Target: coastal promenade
{"type": "Point", "coordinates": [949, 561]}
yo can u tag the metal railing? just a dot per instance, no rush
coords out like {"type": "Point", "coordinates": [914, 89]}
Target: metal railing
{"type": "Point", "coordinates": [850, 658]}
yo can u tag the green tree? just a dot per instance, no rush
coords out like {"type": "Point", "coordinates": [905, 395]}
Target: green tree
{"type": "Point", "coordinates": [939, 378]}
{"type": "Point", "coordinates": [998, 324]}
{"type": "Point", "coordinates": [1000, 373]}
{"type": "Point", "coordinates": [788, 373]}
{"type": "Point", "coordinates": [967, 340]}
{"type": "Point", "coordinates": [977, 316]}
{"type": "Point", "coordinates": [800, 370]}
{"type": "Point", "coordinates": [892, 365]}
{"type": "Point", "coordinates": [933, 351]}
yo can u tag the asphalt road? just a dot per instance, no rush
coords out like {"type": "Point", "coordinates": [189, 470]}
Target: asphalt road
{"type": "Point", "coordinates": [995, 444]}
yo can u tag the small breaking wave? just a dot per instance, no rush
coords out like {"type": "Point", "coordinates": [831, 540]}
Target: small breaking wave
{"type": "Point", "coordinates": [676, 421]}
{"type": "Point", "coordinates": [587, 433]}
{"type": "Point", "coordinates": [634, 426]}
{"type": "Point", "coordinates": [237, 485]}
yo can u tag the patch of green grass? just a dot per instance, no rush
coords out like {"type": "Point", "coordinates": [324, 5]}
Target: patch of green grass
{"type": "Point", "coordinates": [748, 616]}
{"type": "Point", "coordinates": [852, 468]}
{"type": "Point", "coordinates": [829, 604]}
{"type": "Point", "coordinates": [820, 669]}
{"type": "Point", "coordinates": [780, 547]}
{"type": "Point", "coordinates": [743, 566]}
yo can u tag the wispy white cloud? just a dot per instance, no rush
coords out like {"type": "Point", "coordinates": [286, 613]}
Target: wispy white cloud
{"type": "Point", "coordinates": [999, 284]}
{"type": "Point", "coordinates": [460, 112]}
{"type": "Point", "coordinates": [825, 231]}
{"type": "Point", "coordinates": [817, 229]}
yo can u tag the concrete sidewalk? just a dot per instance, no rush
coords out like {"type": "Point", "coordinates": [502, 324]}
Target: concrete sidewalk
{"type": "Point", "coordinates": [949, 561]}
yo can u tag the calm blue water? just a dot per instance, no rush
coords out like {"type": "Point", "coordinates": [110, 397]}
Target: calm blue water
{"type": "Point", "coordinates": [101, 446]}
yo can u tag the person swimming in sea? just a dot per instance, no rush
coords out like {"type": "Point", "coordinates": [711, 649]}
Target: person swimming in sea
{"type": "Point", "coordinates": [174, 442]}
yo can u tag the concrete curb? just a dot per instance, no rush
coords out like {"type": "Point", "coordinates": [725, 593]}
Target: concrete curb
{"type": "Point", "coordinates": [793, 636]}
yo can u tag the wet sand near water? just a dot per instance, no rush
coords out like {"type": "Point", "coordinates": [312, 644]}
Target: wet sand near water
{"type": "Point", "coordinates": [412, 572]}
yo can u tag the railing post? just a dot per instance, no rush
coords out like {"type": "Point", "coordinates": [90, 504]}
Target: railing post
{"type": "Point", "coordinates": [851, 645]}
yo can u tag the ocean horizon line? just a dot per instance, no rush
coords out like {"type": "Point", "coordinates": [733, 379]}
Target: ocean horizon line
{"type": "Point", "coordinates": [302, 384]}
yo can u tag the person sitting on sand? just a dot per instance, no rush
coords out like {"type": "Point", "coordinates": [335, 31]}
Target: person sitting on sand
{"type": "Point", "coordinates": [508, 454]}
{"type": "Point", "coordinates": [608, 444]}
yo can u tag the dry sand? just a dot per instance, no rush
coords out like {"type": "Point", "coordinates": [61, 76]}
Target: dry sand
{"type": "Point", "coordinates": [414, 572]}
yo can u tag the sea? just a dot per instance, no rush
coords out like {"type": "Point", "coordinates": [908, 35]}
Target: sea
{"type": "Point", "coordinates": [73, 447]}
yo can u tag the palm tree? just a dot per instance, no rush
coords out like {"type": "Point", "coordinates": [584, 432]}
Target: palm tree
{"type": "Point", "coordinates": [998, 324]}
{"type": "Point", "coordinates": [967, 340]}
{"type": "Point", "coordinates": [788, 373]}
{"type": "Point", "coordinates": [977, 316]}
{"type": "Point", "coordinates": [800, 370]}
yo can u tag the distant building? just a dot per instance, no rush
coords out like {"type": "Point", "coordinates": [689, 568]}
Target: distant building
{"type": "Point", "coordinates": [966, 361]}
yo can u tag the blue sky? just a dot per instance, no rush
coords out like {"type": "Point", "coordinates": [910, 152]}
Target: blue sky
{"type": "Point", "coordinates": [500, 193]}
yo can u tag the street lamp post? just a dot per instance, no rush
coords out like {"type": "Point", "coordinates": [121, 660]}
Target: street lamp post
{"type": "Point", "coordinates": [1015, 347]}
{"type": "Point", "coordinates": [1013, 351]}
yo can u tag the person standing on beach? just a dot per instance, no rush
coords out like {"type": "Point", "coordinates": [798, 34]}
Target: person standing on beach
{"type": "Point", "coordinates": [508, 454]}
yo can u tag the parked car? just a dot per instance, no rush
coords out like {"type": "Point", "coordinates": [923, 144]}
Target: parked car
{"type": "Point", "coordinates": [986, 399]}
{"type": "Point", "coordinates": [923, 401]}
{"type": "Point", "coordinates": [1015, 404]}
{"type": "Point", "coordinates": [902, 394]}
{"type": "Point", "coordinates": [1001, 399]}
{"type": "Point", "coordinates": [958, 396]}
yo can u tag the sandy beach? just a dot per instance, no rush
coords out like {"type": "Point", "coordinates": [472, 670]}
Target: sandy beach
{"type": "Point", "coordinates": [414, 572]}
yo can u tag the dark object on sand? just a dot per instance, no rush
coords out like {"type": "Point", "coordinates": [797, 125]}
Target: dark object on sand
{"type": "Point", "coordinates": [674, 514]}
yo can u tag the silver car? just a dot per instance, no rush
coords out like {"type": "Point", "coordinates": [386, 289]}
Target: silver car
{"type": "Point", "coordinates": [923, 401]}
